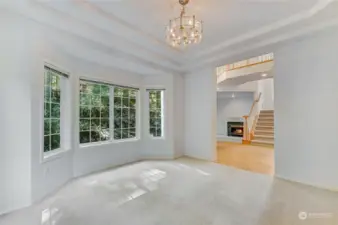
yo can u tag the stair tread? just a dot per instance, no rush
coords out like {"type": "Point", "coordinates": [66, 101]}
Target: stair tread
{"type": "Point", "coordinates": [265, 128]}
{"type": "Point", "coordinates": [262, 135]}
{"type": "Point", "coordinates": [257, 137]}
{"type": "Point", "coordinates": [264, 132]}
{"type": "Point", "coordinates": [263, 141]}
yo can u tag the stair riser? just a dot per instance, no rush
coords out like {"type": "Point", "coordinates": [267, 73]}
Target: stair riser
{"type": "Point", "coordinates": [262, 144]}
{"type": "Point", "coordinates": [269, 134]}
{"type": "Point", "coordinates": [267, 111]}
{"type": "Point", "coordinates": [271, 129]}
{"type": "Point", "coordinates": [272, 139]}
{"type": "Point", "coordinates": [265, 121]}
{"type": "Point", "coordinates": [264, 133]}
{"type": "Point", "coordinates": [267, 115]}
{"type": "Point", "coordinates": [264, 124]}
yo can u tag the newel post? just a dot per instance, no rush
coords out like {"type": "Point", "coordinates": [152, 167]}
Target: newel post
{"type": "Point", "coordinates": [246, 138]}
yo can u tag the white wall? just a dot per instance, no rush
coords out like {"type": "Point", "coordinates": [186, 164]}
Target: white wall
{"type": "Point", "coordinates": [48, 176]}
{"type": "Point", "coordinates": [179, 110]}
{"type": "Point", "coordinates": [266, 87]}
{"type": "Point", "coordinates": [306, 109]}
{"type": "Point", "coordinates": [235, 107]}
{"type": "Point", "coordinates": [15, 177]}
{"type": "Point", "coordinates": [158, 147]}
{"type": "Point", "coordinates": [26, 45]}
{"type": "Point", "coordinates": [200, 114]}
{"type": "Point", "coordinates": [248, 86]}
{"type": "Point", "coordinates": [171, 144]}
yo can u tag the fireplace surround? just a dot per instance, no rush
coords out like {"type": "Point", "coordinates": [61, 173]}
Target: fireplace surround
{"type": "Point", "coordinates": [235, 129]}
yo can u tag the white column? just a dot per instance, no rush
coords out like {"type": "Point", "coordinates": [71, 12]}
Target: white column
{"type": "Point", "coordinates": [200, 114]}
{"type": "Point", "coordinates": [306, 110]}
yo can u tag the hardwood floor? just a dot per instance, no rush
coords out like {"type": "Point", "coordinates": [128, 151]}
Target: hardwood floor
{"type": "Point", "coordinates": [247, 157]}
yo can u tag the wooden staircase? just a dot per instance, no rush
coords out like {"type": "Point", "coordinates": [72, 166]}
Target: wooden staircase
{"type": "Point", "coordinates": [264, 134]}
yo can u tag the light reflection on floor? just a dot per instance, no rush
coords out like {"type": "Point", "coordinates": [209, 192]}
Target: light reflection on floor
{"type": "Point", "coordinates": [183, 191]}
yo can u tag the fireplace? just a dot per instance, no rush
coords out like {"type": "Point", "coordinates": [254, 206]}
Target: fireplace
{"type": "Point", "coordinates": [235, 129]}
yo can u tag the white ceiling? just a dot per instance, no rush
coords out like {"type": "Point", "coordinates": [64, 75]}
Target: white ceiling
{"type": "Point", "coordinates": [233, 29]}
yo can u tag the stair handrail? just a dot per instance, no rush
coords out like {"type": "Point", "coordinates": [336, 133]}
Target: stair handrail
{"type": "Point", "coordinates": [250, 120]}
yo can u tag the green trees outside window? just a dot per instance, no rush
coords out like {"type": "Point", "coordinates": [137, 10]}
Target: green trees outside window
{"type": "Point", "coordinates": [52, 105]}
{"type": "Point", "coordinates": [94, 112]}
{"type": "Point", "coordinates": [155, 113]}
{"type": "Point", "coordinates": [124, 113]}
{"type": "Point", "coordinates": [96, 122]}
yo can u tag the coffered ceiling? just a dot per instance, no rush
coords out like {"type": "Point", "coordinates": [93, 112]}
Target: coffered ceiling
{"type": "Point", "coordinates": [134, 30]}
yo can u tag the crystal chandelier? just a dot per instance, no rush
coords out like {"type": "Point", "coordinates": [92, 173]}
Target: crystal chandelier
{"type": "Point", "coordinates": [184, 30]}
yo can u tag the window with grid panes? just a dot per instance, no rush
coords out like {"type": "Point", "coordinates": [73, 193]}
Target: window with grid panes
{"type": "Point", "coordinates": [94, 112]}
{"type": "Point", "coordinates": [52, 108]}
{"type": "Point", "coordinates": [155, 113]}
{"type": "Point", "coordinates": [124, 113]}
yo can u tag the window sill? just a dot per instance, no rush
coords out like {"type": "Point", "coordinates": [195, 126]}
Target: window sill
{"type": "Point", "coordinates": [89, 145]}
{"type": "Point", "coordinates": [52, 155]}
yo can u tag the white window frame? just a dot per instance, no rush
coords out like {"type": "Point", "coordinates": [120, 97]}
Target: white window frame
{"type": "Point", "coordinates": [136, 115]}
{"type": "Point", "coordinates": [163, 133]}
{"type": "Point", "coordinates": [79, 118]}
{"type": "Point", "coordinates": [111, 115]}
{"type": "Point", "coordinates": [65, 142]}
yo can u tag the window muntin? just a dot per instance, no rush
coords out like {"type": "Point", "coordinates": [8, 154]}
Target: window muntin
{"type": "Point", "coordinates": [156, 113]}
{"type": "Point", "coordinates": [124, 113]}
{"type": "Point", "coordinates": [94, 112]}
{"type": "Point", "coordinates": [52, 109]}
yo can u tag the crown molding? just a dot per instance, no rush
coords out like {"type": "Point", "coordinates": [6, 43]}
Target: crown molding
{"type": "Point", "coordinates": [271, 34]}
{"type": "Point", "coordinates": [299, 17]}
{"type": "Point", "coordinates": [91, 8]}
{"type": "Point", "coordinates": [95, 36]}
{"type": "Point", "coordinates": [170, 60]}
{"type": "Point", "coordinates": [95, 8]}
{"type": "Point", "coordinates": [263, 47]}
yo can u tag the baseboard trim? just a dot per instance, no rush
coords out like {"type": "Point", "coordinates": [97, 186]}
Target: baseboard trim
{"type": "Point", "coordinates": [8, 211]}
{"type": "Point", "coordinates": [160, 157]}
{"type": "Point", "coordinates": [197, 158]}
{"type": "Point", "coordinates": [306, 184]}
